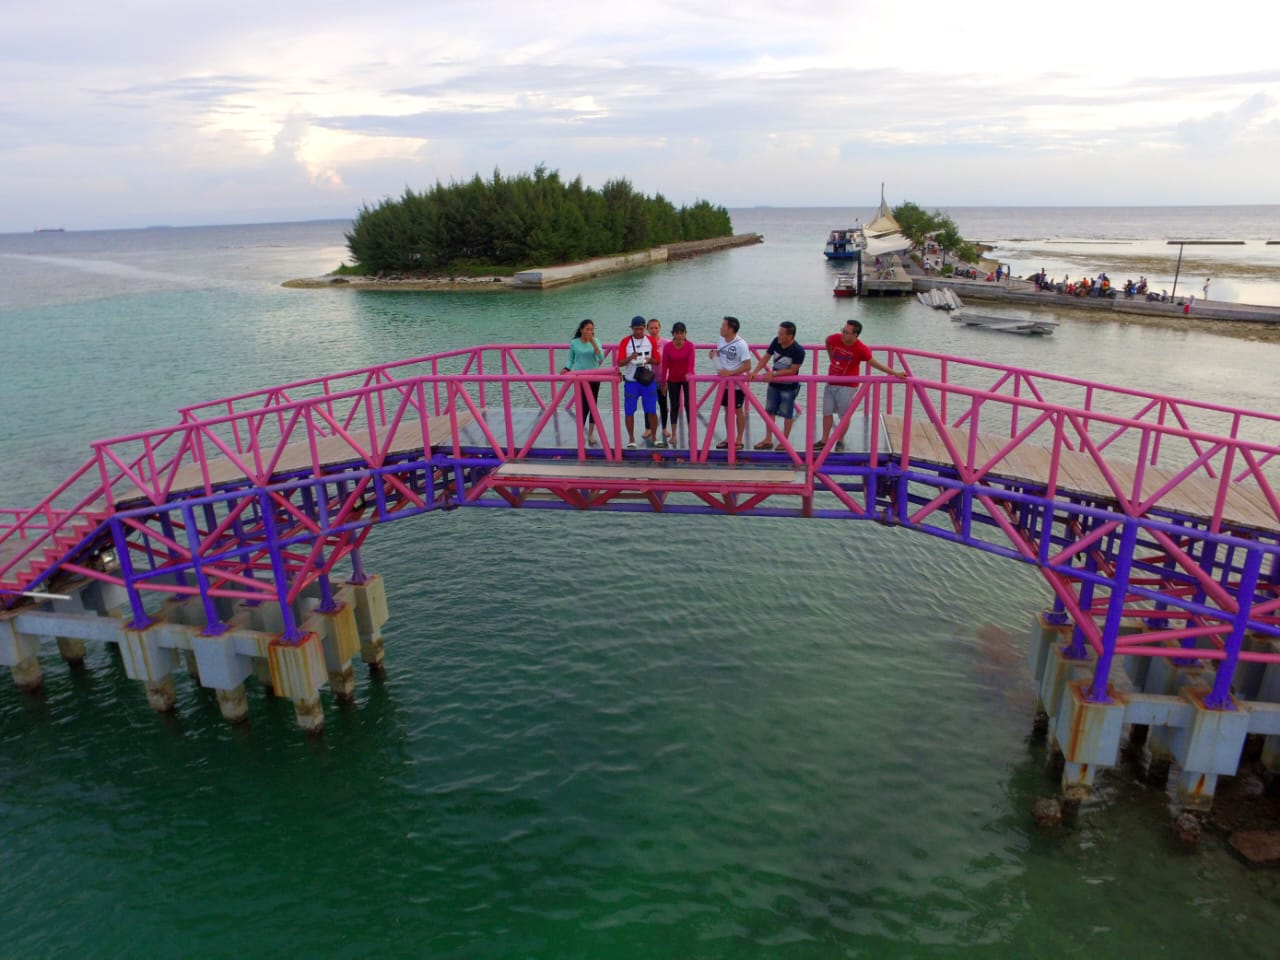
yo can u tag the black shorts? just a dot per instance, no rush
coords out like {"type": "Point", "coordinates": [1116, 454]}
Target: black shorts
{"type": "Point", "coordinates": [738, 398]}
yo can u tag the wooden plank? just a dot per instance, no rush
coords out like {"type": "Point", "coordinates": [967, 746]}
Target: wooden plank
{"type": "Point", "coordinates": [640, 471]}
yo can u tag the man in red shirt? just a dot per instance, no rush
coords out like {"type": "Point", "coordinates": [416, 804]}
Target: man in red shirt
{"type": "Point", "coordinates": [846, 353]}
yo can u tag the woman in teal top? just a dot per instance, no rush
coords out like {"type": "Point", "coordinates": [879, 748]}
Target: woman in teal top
{"type": "Point", "coordinates": [585, 354]}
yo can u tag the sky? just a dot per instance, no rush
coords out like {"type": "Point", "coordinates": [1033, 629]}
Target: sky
{"type": "Point", "coordinates": [130, 114]}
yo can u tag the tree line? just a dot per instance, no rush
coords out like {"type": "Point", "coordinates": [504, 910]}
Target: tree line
{"type": "Point", "coordinates": [523, 221]}
{"type": "Point", "coordinates": [919, 227]}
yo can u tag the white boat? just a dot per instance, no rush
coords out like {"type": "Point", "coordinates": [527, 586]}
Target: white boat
{"type": "Point", "coordinates": [1005, 324]}
{"type": "Point", "coordinates": [846, 285]}
{"type": "Point", "coordinates": [846, 244]}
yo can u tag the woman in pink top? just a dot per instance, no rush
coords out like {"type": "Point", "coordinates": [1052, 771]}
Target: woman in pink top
{"type": "Point", "coordinates": [654, 329]}
{"type": "Point", "coordinates": [677, 367]}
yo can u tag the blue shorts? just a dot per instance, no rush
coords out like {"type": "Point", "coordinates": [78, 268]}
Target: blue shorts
{"type": "Point", "coordinates": [633, 393]}
{"type": "Point", "coordinates": [781, 401]}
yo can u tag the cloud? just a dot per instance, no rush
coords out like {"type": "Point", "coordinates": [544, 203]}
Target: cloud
{"type": "Point", "coordinates": [179, 114]}
{"type": "Point", "coordinates": [1254, 116]}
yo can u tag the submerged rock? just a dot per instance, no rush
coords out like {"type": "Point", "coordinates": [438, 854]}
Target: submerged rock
{"type": "Point", "coordinates": [1047, 812]}
{"type": "Point", "coordinates": [1258, 847]}
{"type": "Point", "coordinates": [1187, 829]}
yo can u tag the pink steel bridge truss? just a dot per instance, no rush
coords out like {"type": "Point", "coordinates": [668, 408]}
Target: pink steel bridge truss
{"type": "Point", "coordinates": [1154, 520]}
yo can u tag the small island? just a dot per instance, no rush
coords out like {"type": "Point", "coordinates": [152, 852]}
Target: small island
{"type": "Point", "coordinates": [498, 234]}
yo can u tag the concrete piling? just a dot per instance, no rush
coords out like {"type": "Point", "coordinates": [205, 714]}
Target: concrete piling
{"type": "Point", "coordinates": [245, 642]}
{"type": "Point", "coordinates": [369, 604]}
{"type": "Point", "coordinates": [162, 695]}
{"type": "Point", "coordinates": [1160, 701]}
{"type": "Point", "coordinates": [20, 652]}
{"type": "Point", "coordinates": [234, 704]}
{"type": "Point", "coordinates": [72, 650]}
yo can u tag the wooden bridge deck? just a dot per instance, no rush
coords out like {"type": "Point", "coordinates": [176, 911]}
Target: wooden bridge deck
{"type": "Point", "coordinates": [606, 472]}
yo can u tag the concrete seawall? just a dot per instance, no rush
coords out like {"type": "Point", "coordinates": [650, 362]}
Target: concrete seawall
{"type": "Point", "coordinates": [544, 277]}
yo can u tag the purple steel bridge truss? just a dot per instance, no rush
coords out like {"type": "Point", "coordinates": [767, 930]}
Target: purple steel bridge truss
{"type": "Point", "coordinates": [1154, 520]}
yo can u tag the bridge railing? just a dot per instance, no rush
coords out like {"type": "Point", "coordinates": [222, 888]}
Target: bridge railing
{"type": "Point", "coordinates": [985, 434]}
{"type": "Point", "coordinates": [512, 375]}
{"type": "Point", "coordinates": [26, 532]}
{"type": "Point", "coordinates": [1137, 407]}
{"type": "Point", "coordinates": [365, 423]}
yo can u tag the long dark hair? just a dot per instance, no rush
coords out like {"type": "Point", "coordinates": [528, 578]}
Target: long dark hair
{"type": "Point", "coordinates": [577, 335]}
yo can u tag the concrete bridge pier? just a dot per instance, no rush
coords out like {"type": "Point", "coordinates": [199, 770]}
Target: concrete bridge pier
{"type": "Point", "coordinates": [90, 597]}
{"type": "Point", "coordinates": [340, 642]}
{"type": "Point", "coordinates": [1089, 734]}
{"type": "Point", "coordinates": [223, 667]}
{"type": "Point", "coordinates": [147, 658]}
{"type": "Point", "coordinates": [1165, 676]}
{"type": "Point", "coordinates": [263, 618]}
{"type": "Point", "coordinates": [297, 671]}
{"type": "Point", "coordinates": [1269, 691]}
{"type": "Point", "coordinates": [20, 652]}
{"type": "Point", "coordinates": [370, 603]}
{"type": "Point", "coordinates": [1207, 747]}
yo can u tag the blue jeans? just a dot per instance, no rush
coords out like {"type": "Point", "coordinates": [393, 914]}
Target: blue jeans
{"type": "Point", "coordinates": [781, 401]}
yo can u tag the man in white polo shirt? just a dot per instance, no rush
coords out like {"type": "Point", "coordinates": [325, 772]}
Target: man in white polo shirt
{"type": "Point", "coordinates": [733, 359]}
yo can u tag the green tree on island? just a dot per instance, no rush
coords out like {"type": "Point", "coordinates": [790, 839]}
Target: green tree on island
{"type": "Point", "coordinates": [918, 226]}
{"type": "Point", "coordinates": [527, 220]}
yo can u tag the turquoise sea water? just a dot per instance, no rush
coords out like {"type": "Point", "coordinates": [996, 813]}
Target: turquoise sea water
{"type": "Point", "coordinates": [598, 736]}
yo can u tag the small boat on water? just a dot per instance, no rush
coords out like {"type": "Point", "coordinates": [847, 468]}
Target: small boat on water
{"type": "Point", "coordinates": [846, 285]}
{"type": "Point", "coordinates": [1005, 324]}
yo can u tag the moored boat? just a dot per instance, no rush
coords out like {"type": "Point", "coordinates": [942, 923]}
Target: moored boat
{"type": "Point", "coordinates": [846, 285]}
{"type": "Point", "coordinates": [845, 244]}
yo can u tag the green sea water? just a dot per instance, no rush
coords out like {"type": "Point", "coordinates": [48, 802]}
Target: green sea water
{"type": "Point", "coordinates": [597, 736]}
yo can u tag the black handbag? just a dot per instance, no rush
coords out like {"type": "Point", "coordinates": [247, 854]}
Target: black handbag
{"type": "Point", "coordinates": [644, 375]}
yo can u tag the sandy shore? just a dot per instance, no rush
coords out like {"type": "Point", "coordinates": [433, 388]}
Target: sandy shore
{"type": "Point", "coordinates": [1262, 332]}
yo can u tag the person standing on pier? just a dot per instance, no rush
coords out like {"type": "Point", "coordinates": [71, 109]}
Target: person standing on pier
{"type": "Point", "coordinates": [635, 353]}
{"type": "Point", "coordinates": [1207, 281]}
{"type": "Point", "coordinates": [733, 358]}
{"type": "Point", "coordinates": [585, 353]}
{"type": "Point", "coordinates": [787, 358]}
{"type": "Point", "coordinates": [654, 329]}
{"type": "Point", "coordinates": [846, 353]}
{"type": "Point", "coordinates": [677, 364]}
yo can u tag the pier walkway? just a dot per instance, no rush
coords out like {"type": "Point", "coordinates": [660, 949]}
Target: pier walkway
{"type": "Point", "coordinates": [1024, 293]}
{"type": "Point", "coordinates": [233, 537]}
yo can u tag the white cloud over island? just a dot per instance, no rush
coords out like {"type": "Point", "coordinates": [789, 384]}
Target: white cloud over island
{"type": "Point", "coordinates": [139, 113]}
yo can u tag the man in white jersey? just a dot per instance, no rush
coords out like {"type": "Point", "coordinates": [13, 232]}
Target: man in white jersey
{"type": "Point", "coordinates": [733, 359]}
